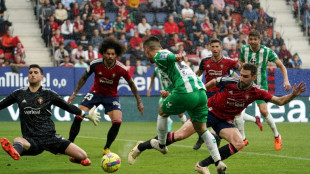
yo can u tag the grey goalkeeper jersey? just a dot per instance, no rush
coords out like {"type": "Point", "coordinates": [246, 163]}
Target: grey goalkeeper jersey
{"type": "Point", "coordinates": [35, 111]}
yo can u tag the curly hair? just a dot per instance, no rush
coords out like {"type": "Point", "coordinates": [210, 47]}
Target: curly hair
{"type": "Point", "coordinates": [112, 43]}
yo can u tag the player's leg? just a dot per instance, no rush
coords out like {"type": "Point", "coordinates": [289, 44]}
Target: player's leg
{"type": "Point", "coordinates": [270, 121]}
{"type": "Point", "coordinates": [170, 123]}
{"type": "Point", "coordinates": [116, 119]}
{"type": "Point", "coordinates": [252, 119]}
{"type": "Point", "coordinates": [76, 125]}
{"type": "Point", "coordinates": [19, 145]}
{"type": "Point", "coordinates": [77, 155]}
{"type": "Point", "coordinates": [239, 122]}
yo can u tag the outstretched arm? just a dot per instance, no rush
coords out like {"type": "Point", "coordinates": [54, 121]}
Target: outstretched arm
{"type": "Point", "coordinates": [136, 94]}
{"type": "Point", "coordinates": [80, 84]}
{"type": "Point", "coordinates": [150, 87]}
{"type": "Point", "coordinates": [286, 84]}
{"type": "Point", "coordinates": [297, 90]}
{"type": "Point", "coordinates": [210, 84]}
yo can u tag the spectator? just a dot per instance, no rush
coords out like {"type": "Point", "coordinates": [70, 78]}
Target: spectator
{"type": "Point", "coordinates": [213, 15]}
{"type": "Point", "coordinates": [67, 29]}
{"type": "Point", "coordinates": [90, 54]}
{"type": "Point", "coordinates": [5, 63]}
{"type": "Point", "coordinates": [46, 11]}
{"type": "Point", "coordinates": [78, 28]}
{"type": "Point", "coordinates": [296, 63]}
{"type": "Point", "coordinates": [266, 40]}
{"type": "Point", "coordinates": [250, 14]}
{"type": "Point", "coordinates": [242, 40]}
{"type": "Point", "coordinates": [164, 39]}
{"type": "Point", "coordinates": [182, 29]}
{"type": "Point", "coordinates": [256, 5]}
{"type": "Point", "coordinates": [140, 69]}
{"type": "Point", "coordinates": [119, 27]}
{"type": "Point", "coordinates": [18, 62]}
{"type": "Point", "coordinates": [19, 50]}
{"type": "Point", "coordinates": [75, 11]}
{"type": "Point", "coordinates": [194, 30]}
{"type": "Point", "coordinates": [99, 11]}
{"type": "Point", "coordinates": [174, 42]}
{"type": "Point", "coordinates": [187, 14]}
{"type": "Point", "coordinates": [221, 30]}
{"type": "Point", "coordinates": [7, 41]}
{"type": "Point", "coordinates": [84, 42]}
{"type": "Point", "coordinates": [261, 25]}
{"type": "Point", "coordinates": [233, 28]}
{"type": "Point", "coordinates": [66, 63]}
{"type": "Point", "coordinates": [96, 40]}
{"type": "Point", "coordinates": [201, 41]}
{"type": "Point", "coordinates": [226, 16]}
{"type": "Point", "coordinates": [123, 12]}
{"type": "Point", "coordinates": [135, 41]}
{"type": "Point", "coordinates": [53, 25]}
{"type": "Point", "coordinates": [76, 53]}
{"type": "Point", "coordinates": [147, 34]}
{"type": "Point", "coordinates": [231, 4]}
{"type": "Point", "coordinates": [67, 4]}
{"type": "Point", "coordinates": [219, 5]}
{"type": "Point", "coordinates": [124, 40]}
{"type": "Point", "coordinates": [119, 3]}
{"type": "Point", "coordinates": [188, 45]}
{"type": "Point", "coordinates": [286, 56]}
{"type": "Point", "coordinates": [158, 5]}
{"type": "Point", "coordinates": [1, 56]}
{"type": "Point", "coordinates": [201, 13]}
{"type": "Point", "coordinates": [234, 53]}
{"type": "Point", "coordinates": [206, 3]}
{"type": "Point", "coordinates": [270, 20]}
{"type": "Point", "coordinates": [87, 9]}
{"type": "Point", "coordinates": [143, 26]}
{"type": "Point", "coordinates": [60, 54]}
{"type": "Point", "coordinates": [207, 27]}
{"type": "Point", "coordinates": [171, 6]}
{"type": "Point", "coordinates": [130, 28]}
{"type": "Point", "coordinates": [206, 51]}
{"type": "Point", "coordinates": [245, 27]}
{"type": "Point", "coordinates": [57, 39]}
{"type": "Point", "coordinates": [90, 25]}
{"type": "Point", "coordinates": [229, 41]}
{"type": "Point", "coordinates": [278, 42]}
{"type": "Point", "coordinates": [106, 27]}
{"type": "Point", "coordinates": [61, 14]}
{"type": "Point", "coordinates": [171, 27]}
{"type": "Point", "coordinates": [139, 55]}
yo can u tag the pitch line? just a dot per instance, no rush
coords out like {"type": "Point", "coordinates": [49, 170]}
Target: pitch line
{"type": "Point", "coordinates": [184, 146]}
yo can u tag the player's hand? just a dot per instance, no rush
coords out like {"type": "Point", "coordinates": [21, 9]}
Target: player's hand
{"type": "Point", "coordinates": [71, 98]}
{"type": "Point", "coordinates": [297, 90]}
{"type": "Point", "coordinates": [179, 57]}
{"type": "Point", "coordinates": [287, 86]}
{"type": "Point", "coordinates": [93, 116]}
{"type": "Point", "coordinates": [148, 93]}
{"type": "Point", "coordinates": [164, 94]}
{"type": "Point", "coordinates": [140, 107]}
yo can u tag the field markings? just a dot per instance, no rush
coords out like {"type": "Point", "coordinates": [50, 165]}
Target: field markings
{"type": "Point", "coordinates": [184, 146]}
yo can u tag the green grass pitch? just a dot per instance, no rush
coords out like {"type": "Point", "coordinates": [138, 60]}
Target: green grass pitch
{"type": "Point", "coordinates": [259, 157]}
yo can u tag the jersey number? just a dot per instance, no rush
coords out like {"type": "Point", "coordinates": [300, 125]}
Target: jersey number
{"type": "Point", "coordinates": [89, 96]}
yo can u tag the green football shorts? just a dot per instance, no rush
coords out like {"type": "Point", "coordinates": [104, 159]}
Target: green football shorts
{"type": "Point", "coordinates": [265, 87]}
{"type": "Point", "coordinates": [194, 103]}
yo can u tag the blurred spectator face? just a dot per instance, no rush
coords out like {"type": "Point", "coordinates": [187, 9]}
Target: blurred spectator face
{"type": "Point", "coordinates": [59, 5]}
{"type": "Point", "coordinates": [66, 59]}
{"type": "Point", "coordinates": [57, 32]}
{"type": "Point", "coordinates": [98, 4]}
{"type": "Point", "coordinates": [265, 34]}
{"type": "Point", "coordinates": [206, 19]}
{"type": "Point", "coordinates": [17, 59]}
{"type": "Point", "coordinates": [47, 2]}
{"type": "Point", "coordinates": [143, 20]}
{"type": "Point", "coordinates": [123, 37]}
{"type": "Point", "coordinates": [230, 36]}
{"type": "Point", "coordinates": [61, 46]}
{"type": "Point", "coordinates": [278, 36]}
{"type": "Point", "coordinates": [186, 5]}
{"type": "Point", "coordinates": [175, 37]}
{"type": "Point", "coordinates": [52, 19]}
{"type": "Point", "coordinates": [119, 19]}
{"type": "Point", "coordinates": [227, 10]}
{"type": "Point", "coordinates": [136, 34]}
{"type": "Point", "coordinates": [201, 7]}
{"type": "Point", "coordinates": [19, 45]}
{"type": "Point", "coordinates": [233, 47]}
{"type": "Point", "coordinates": [170, 19]}
{"type": "Point", "coordinates": [162, 32]}
{"type": "Point", "coordinates": [84, 17]}
{"type": "Point", "coordinates": [96, 32]}
{"type": "Point", "coordinates": [68, 22]}
{"type": "Point", "coordinates": [195, 19]}
{"type": "Point", "coordinates": [83, 37]}
{"type": "Point", "coordinates": [249, 7]}
{"type": "Point", "coordinates": [128, 20]}
{"type": "Point", "coordinates": [90, 48]}
{"type": "Point", "coordinates": [80, 47]}
{"type": "Point", "coordinates": [283, 47]}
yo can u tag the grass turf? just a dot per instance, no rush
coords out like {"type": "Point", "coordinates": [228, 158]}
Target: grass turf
{"type": "Point", "coordinates": [259, 157]}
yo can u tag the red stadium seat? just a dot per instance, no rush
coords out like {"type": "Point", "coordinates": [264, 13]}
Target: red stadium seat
{"type": "Point", "coordinates": [8, 56]}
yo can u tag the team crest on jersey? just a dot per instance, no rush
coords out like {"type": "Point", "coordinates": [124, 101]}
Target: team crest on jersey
{"type": "Point", "coordinates": [168, 105]}
{"type": "Point", "coordinates": [247, 96]}
{"type": "Point", "coordinates": [100, 73]}
{"type": "Point", "coordinates": [163, 55]}
{"type": "Point", "coordinates": [113, 75]}
{"type": "Point", "coordinates": [40, 100]}
{"type": "Point", "coordinates": [230, 92]}
{"type": "Point", "coordinates": [222, 66]}
{"type": "Point", "coordinates": [208, 65]}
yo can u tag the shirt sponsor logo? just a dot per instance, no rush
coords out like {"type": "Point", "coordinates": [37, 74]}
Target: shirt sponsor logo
{"type": "Point", "coordinates": [105, 80]}
{"type": "Point", "coordinates": [233, 102]}
{"type": "Point", "coordinates": [215, 73]}
{"type": "Point", "coordinates": [32, 111]}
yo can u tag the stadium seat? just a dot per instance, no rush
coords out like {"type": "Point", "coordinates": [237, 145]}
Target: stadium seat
{"type": "Point", "coordinates": [112, 16]}
{"type": "Point", "coordinates": [150, 18]}
{"type": "Point", "coordinates": [237, 16]}
{"type": "Point", "coordinates": [8, 56]}
{"type": "Point", "coordinates": [161, 18]}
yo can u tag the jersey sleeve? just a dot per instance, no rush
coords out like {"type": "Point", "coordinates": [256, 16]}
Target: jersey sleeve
{"type": "Point", "coordinates": [165, 57]}
{"type": "Point", "coordinates": [58, 101]}
{"type": "Point", "coordinates": [7, 101]}
{"type": "Point", "coordinates": [242, 54]}
{"type": "Point", "coordinates": [225, 80]}
{"type": "Point", "coordinates": [126, 75]}
{"type": "Point", "coordinates": [264, 95]}
{"type": "Point", "coordinates": [155, 72]}
{"type": "Point", "coordinates": [272, 56]}
{"type": "Point", "coordinates": [90, 69]}
{"type": "Point", "coordinates": [201, 64]}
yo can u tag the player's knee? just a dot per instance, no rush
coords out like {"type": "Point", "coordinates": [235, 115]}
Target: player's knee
{"type": "Point", "coordinates": [18, 139]}
{"type": "Point", "coordinates": [82, 155]}
{"type": "Point", "coordinates": [117, 122]}
{"type": "Point", "coordinates": [238, 144]}
{"type": "Point", "coordinates": [264, 113]}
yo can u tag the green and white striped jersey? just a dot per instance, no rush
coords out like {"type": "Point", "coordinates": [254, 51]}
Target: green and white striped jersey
{"type": "Point", "coordinates": [183, 79]}
{"type": "Point", "coordinates": [164, 81]}
{"type": "Point", "coordinates": [260, 58]}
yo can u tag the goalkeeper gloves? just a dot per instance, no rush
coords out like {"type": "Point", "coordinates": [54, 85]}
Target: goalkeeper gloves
{"type": "Point", "coordinates": [92, 115]}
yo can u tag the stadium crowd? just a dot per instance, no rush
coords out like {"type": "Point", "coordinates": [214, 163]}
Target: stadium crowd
{"type": "Point", "coordinates": [74, 29]}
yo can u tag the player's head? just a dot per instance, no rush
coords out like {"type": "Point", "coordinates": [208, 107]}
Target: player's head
{"type": "Point", "coordinates": [247, 75]}
{"type": "Point", "coordinates": [151, 45]}
{"type": "Point", "coordinates": [35, 74]}
{"type": "Point", "coordinates": [216, 48]}
{"type": "Point", "coordinates": [111, 48]}
{"type": "Point", "coordinates": [254, 39]}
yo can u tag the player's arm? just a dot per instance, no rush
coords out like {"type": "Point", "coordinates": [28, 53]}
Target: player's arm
{"type": "Point", "coordinates": [79, 85]}
{"type": "Point", "coordinates": [199, 72]}
{"type": "Point", "coordinates": [286, 84]}
{"type": "Point", "coordinates": [150, 87]}
{"type": "Point", "coordinates": [297, 90]}
{"type": "Point", "coordinates": [7, 101]}
{"type": "Point", "coordinates": [210, 84]}
{"type": "Point", "coordinates": [136, 94]}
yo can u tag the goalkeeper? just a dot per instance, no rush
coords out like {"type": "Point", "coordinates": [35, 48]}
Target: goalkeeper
{"type": "Point", "coordinates": [37, 127]}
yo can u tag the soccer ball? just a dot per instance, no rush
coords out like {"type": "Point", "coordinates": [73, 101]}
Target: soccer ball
{"type": "Point", "coordinates": [110, 162]}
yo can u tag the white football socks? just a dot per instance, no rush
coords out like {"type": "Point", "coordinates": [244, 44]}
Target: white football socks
{"type": "Point", "coordinates": [272, 125]}
{"type": "Point", "coordinates": [183, 118]}
{"type": "Point", "coordinates": [240, 125]}
{"type": "Point", "coordinates": [248, 117]}
{"type": "Point", "coordinates": [210, 141]}
{"type": "Point", "coordinates": [162, 129]}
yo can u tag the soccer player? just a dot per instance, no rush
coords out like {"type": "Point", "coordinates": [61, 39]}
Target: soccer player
{"type": "Point", "coordinates": [165, 84]}
{"type": "Point", "coordinates": [260, 55]}
{"type": "Point", "coordinates": [108, 72]}
{"type": "Point", "coordinates": [38, 129]}
{"type": "Point", "coordinates": [236, 94]}
{"type": "Point", "coordinates": [217, 66]}
{"type": "Point", "coordinates": [188, 94]}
